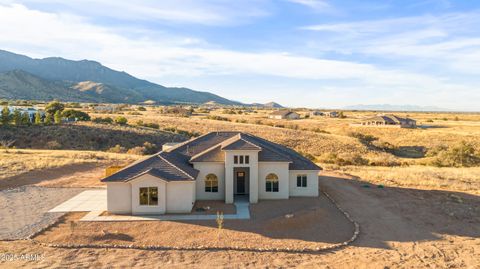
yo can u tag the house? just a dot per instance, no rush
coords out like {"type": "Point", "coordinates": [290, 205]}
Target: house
{"type": "Point", "coordinates": [316, 113]}
{"type": "Point", "coordinates": [30, 111]}
{"type": "Point", "coordinates": [331, 114]}
{"type": "Point", "coordinates": [214, 166]}
{"type": "Point", "coordinates": [284, 114]}
{"type": "Point", "coordinates": [389, 120]}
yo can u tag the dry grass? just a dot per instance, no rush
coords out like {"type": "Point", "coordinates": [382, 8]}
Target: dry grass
{"type": "Point", "coordinates": [421, 177]}
{"type": "Point", "coordinates": [19, 161]}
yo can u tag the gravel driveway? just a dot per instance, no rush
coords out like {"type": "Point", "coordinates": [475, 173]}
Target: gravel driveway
{"type": "Point", "coordinates": [23, 210]}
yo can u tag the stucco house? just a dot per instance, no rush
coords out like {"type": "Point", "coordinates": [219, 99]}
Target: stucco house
{"type": "Point", "coordinates": [389, 121]}
{"type": "Point", "coordinates": [284, 114]}
{"type": "Point", "coordinates": [215, 166]}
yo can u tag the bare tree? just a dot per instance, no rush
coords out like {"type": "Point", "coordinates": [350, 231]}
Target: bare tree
{"type": "Point", "coordinates": [6, 143]}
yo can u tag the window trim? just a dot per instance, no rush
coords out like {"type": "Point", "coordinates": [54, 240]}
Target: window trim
{"type": "Point", "coordinates": [302, 181]}
{"type": "Point", "coordinates": [272, 184]}
{"type": "Point", "coordinates": [149, 191]}
{"type": "Point", "coordinates": [209, 183]}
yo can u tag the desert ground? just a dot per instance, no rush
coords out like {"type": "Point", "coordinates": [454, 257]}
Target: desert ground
{"type": "Point", "coordinates": [414, 209]}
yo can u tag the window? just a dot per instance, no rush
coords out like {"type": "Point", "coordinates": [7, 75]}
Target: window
{"type": "Point", "coordinates": [235, 159]}
{"type": "Point", "coordinates": [301, 180]}
{"type": "Point", "coordinates": [247, 159]}
{"type": "Point", "coordinates": [241, 159]}
{"type": "Point", "coordinates": [271, 183]}
{"type": "Point", "coordinates": [211, 183]}
{"type": "Point", "coordinates": [149, 196]}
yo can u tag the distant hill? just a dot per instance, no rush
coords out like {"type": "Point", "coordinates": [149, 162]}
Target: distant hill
{"type": "Point", "coordinates": [268, 105]}
{"type": "Point", "coordinates": [388, 107]}
{"type": "Point", "coordinates": [44, 79]}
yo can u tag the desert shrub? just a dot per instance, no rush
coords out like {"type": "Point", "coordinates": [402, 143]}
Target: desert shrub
{"type": "Point", "coordinates": [76, 114]}
{"type": "Point", "coordinates": [259, 122]}
{"type": "Point", "coordinates": [53, 145]}
{"type": "Point", "coordinates": [429, 120]}
{"type": "Point", "coordinates": [279, 125]}
{"type": "Point", "coordinates": [318, 130]}
{"type": "Point", "coordinates": [461, 155]}
{"type": "Point", "coordinates": [364, 138]}
{"type": "Point", "coordinates": [103, 120]}
{"type": "Point", "coordinates": [141, 108]}
{"type": "Point", "coordinates": [134, 113]}
{"type": "Point", "coordinates": [121, 120]}
{"type": "Point", "coordinates": [117, 149]}
{"type": "Point", "coordinates": [345, 159]}
{"type": "Point", "coordinates": [241, 121]}
{"type": "Point", "coordinates": [137, 151]}
{"type": "Point", "coordinates": [215, 117]}
{"type": "Point", "coordinates": [229, 111]}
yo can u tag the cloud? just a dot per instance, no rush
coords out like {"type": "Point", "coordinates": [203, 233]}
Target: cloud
{"type": "Point", "coordinates": [163, 56]}
{"type": "Point", "coordinates": [318, 5]}
{"type": "Point", "coordinates": [204, 12]}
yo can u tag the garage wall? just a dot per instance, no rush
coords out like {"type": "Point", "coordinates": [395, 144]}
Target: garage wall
{"type": "Point", "coordinates": [281, 170]}
{"type": "Point", "coordinates": [312, 183]}
{"type": "Point", "coordinates": [119, 197]}
{"type": "Point", "coordinates": [180, 196]}
{"type": "Point", "coordinates": [148, 181]}
{"type": "Point", "coordinates": [206, 168]}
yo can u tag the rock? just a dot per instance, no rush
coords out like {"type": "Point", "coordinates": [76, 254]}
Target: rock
{"type": "Point", "coordinates": [289, 216]}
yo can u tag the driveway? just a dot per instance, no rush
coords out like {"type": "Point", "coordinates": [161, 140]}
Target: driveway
{"type": "Point", "coordinates": [91, 200]}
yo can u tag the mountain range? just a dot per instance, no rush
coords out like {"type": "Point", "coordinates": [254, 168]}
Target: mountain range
{"type": "Point", "coordinates": [22, 77]}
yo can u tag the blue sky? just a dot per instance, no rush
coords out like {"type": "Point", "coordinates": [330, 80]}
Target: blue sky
{"type": "Point", "coordinates": [308, 53]}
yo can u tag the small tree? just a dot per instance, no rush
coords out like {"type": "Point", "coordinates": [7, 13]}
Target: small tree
{"type": "Point", "coordinates": [121, 120]}
{"type": "Point", "coordinates": [53, 107]}
{"type": "Point", "coordinates": [17, 117]}
{"type": "Point", "coordinates": [25, 119]}
{"type": "Point", "coordinates": [5, 116]}
{"type": "Point", "coordinates": [75, 114]}
{"type": "Point", "coordinates": [219, 221]}
{"type": "Point", "coordinates": [6, 143]}
{"type": "Point", "coordinates": [38, 118]}
{"type": "Point", "coordinates": [48, 120]}
{"type": "Point", "coordinates": [58, 117]}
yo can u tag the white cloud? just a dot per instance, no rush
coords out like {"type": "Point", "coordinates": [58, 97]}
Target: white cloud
{"type": "Point", "coordinates": [207, 12]}
{"type": "Point", "coordinates": [318, 5]}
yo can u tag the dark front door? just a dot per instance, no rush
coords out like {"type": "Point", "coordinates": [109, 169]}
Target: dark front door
{"type": "Point", "coordinates": [240, 182]}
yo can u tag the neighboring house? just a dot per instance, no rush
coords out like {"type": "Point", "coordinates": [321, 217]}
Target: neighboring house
{"type": "Point", "coordinates": [331, 114]}
{"type": "Point", "coordinates": [284, 114]}
{"type": "Point", "coordinates": [215, 166]}
{"type": "Point", "coordinates": [389, 120]}
{"type": "Point", "coordinates": [29, 110]}
{"type": "Point", "coordinates": [316, 113]}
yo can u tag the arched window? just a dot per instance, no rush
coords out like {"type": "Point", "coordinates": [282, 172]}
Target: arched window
{"type": "Point", "coordinates": [211, 183]}
{"type": "Point", "coordinates": [271, 183]}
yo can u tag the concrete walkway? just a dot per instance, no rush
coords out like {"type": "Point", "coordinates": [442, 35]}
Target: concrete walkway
{"type": "Point", "coordinates": [242, 212]}
{"type": "Point", "coordinates": [95, 202]}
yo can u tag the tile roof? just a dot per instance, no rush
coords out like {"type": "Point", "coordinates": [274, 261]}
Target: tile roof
{"type": "Point", "coordinates": [175, 163]}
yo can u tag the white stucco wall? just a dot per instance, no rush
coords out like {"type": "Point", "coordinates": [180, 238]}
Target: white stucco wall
{"type": "Point", "coordinates": [281, 170]}
{"type": "Point", "coordinates": [206, 168]}
{"type": "Point", "coordinates": [180, 196]}
{"type": "Point", "coordinates": [312, 183]}
{"type": "Point", "coordinates": [119, 197]}
{"type": "Point", "coordinates": [148, 181]}
{"type": "Point", "coordinates": [253, 175]}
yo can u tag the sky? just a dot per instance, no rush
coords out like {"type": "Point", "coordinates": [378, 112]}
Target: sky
{"type": "Point", "coordinates": [299, 53]}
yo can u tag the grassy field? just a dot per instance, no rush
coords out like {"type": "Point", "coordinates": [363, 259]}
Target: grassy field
{"type": "Point", "coordinates": [19, 161]}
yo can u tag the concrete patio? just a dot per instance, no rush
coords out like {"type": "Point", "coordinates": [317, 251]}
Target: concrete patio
{"type": "Point", "coordinates": [95, 202]}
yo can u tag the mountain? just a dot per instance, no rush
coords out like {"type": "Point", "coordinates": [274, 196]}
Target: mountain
{"type": "Point", "coordinates": [268, 105]}
{"type": "Point", "coordinates": [86, 80]}
{"type": "Point", "coordinates": [388, 107]}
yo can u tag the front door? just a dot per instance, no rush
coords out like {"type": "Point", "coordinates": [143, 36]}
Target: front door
{"type": "Point", "coordinates": [240, 182]}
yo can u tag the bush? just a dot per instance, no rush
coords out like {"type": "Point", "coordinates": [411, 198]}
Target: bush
{"type": "Point", "coordinates": [214, 117]}
{"type": "Point", "coordinates": [121, 120]}
{"type": "Point", "coordinates": [462, 155]}
{"type": "Point", "coordinates": [141, 108]}
{"type": "Point", "coordinates": [103, 120]}
{"type": "Point", "coordinates": [117, 149]}
{"type": "Point", "coordinates": [53, 145]}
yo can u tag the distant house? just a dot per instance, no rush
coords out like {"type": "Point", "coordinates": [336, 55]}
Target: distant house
{"type": "Point", "coordinates": [331, 114]}
{"type": "Point", "coordinates": [316, 113]}
{"type": "Point", "coordinates": [284, 114]}
{"type": "Point", "coordinates": [29, 110]}
{"type": "Point", "coordinates": [389, 120]}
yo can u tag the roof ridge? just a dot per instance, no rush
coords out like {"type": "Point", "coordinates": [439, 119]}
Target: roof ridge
{"type": "Point", "coordinates": [246, 140]}
{"type": "Point", "coordinates": [205, 151]}
{"type": "Point", "coordinates": [170, 163]}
